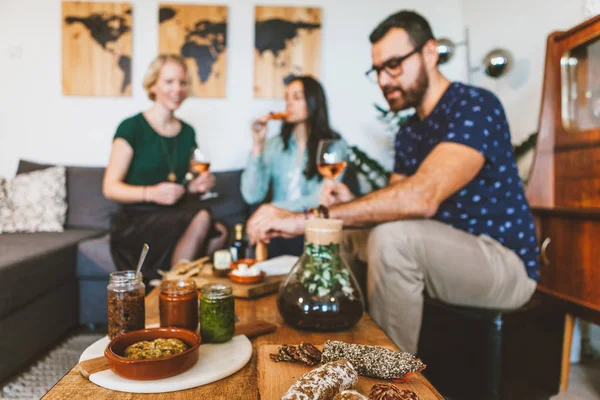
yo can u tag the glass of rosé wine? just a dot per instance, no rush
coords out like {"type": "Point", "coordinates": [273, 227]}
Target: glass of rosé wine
{"type": "Point", "coordinates": [199, 163]}
{"type": "Point", "coordinates": [332, 157]}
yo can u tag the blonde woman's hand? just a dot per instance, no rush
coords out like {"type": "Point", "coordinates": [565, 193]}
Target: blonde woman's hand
{"type": "Point", "coordinates": [165, 193]}
{"type": "Point", "coordinates": [202, 183]}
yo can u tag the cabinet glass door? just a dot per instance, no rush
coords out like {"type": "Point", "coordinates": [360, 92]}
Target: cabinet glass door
{"type": "Point", "coordinates": [580, 70]}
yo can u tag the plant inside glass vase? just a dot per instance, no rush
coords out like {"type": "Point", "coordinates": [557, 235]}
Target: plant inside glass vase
{"type": "Point", "coordinates": [320, 293]}
{"type": "Point", "coordinates": [324, 271]}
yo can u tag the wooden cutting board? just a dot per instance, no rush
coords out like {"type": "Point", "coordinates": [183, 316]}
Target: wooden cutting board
{"type": "Point", "coordinates": [275, 378]}
{"type": "Point", "coordinates": [246, 291]}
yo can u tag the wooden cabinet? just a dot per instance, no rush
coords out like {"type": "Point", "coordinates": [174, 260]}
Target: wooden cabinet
{"type": "Point", "coordinates": [564, 184]}
{"type": "Point", "coordinates": [570, 255]}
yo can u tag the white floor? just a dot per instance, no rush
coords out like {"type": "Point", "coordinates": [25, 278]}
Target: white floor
{"type": "Point", "coordinates": [584, 377]}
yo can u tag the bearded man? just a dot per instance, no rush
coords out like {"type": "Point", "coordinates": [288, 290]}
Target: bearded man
{"type": "Point", "coordinates": [453, 220]}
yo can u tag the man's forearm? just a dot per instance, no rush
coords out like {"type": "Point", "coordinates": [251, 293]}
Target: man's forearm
{"type": "Point", "coordinates": [409, 198]}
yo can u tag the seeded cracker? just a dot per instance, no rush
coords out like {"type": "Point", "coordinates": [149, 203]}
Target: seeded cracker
{"type": "Point", "coordinates": [373, 361]}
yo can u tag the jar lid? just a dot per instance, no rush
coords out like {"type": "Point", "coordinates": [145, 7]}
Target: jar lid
{"type": "Point", "coordinates": [221, 259]}
{"type": "Point", "coordinates": [123, 277]}
{"type": "Point", "coordinates": [216, 290]}
{"type": "Point", "coordinates": [175, 287]}
{"type": "Point", "coordinates": [323, 231]}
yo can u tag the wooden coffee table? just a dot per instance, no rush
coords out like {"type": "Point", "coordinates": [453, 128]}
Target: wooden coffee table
{"type": "Point", "coordinates": [244, 383]}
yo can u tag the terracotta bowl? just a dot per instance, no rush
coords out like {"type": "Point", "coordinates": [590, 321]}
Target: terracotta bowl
{"type": "Point", "coordinates": [144, 370]}
{"type": "Point", "coordinates": [248, 261]}
{"type": "Point", "coordinates": [245, 279]}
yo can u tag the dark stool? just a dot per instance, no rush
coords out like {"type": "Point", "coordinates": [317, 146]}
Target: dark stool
{"type": "Point", "coordinates": [480, 354]}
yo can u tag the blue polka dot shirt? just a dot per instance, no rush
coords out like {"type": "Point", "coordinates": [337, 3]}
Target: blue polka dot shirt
{"type": "Point", "coordinates": [494, 202]}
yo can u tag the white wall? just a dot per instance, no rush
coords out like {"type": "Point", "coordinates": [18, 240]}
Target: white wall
{"type": "Point", "coordinates": [37, 122]}
{"type": "Point", "coordinates": [520, 26]}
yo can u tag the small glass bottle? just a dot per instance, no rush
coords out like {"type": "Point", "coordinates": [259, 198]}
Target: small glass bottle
{"type": "Point", "coordinates": [126, 312]}
{"type": "Point", "coordinates": [239, 248]}
{"type": "Point", "coordinates": [221, 263]}
{"type": "Point", "coordinates": [217, 313]}
{"type": "Point", "coordinates": [178, 304]}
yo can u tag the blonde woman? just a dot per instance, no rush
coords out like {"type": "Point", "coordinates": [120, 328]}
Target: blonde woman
{"type": "Point", "coordinates": [148, 163]}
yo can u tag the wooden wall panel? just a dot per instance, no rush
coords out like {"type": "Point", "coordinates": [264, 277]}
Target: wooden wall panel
{"type": "Point", "coordinates": [96, 49]}
{"type": "Point", "coordinates": [199, 34]}
{"type": "Point", "coordinates": [287, 42]}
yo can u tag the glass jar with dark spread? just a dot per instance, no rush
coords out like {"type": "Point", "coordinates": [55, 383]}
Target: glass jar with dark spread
{"type": "Point", "coordinates": [125, 293]}
{"type": "Point", "coordinates": [217, 313]}
{"type": "Point", "coordinates": [178, 304]}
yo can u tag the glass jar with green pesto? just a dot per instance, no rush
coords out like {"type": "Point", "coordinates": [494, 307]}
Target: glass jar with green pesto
{"type": "Point", "coordinates": [217, 313]}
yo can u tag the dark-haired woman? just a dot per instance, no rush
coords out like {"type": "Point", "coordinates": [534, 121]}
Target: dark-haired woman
{"type": "Point", "coordinates": [287, 163]}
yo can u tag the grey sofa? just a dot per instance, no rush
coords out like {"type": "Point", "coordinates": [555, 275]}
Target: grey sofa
{"type": "Point", "coordinates": [50, 282]}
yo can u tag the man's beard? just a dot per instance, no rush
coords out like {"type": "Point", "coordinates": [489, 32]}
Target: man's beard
{"type": "Point", "coordinates": [412, 96]}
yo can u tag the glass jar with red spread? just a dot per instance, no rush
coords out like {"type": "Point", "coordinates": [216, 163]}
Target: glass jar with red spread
{"type": "Point", "coordinates": [178, 304]}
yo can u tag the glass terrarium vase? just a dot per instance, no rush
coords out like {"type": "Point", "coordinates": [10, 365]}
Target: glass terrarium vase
{"type": "Point", "coordinates": [320, 293]}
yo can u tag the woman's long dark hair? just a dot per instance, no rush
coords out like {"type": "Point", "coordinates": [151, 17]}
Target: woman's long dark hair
{"type": "Point", "coordinates": [317, 122]}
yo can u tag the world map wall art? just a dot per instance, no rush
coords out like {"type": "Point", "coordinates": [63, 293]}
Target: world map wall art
{"type": "Point", "coordinates": [96, 49]}
{"type": "Point", "coordinates": [287, 42]}
{"type": "Point", "coordinates": [199, 34]}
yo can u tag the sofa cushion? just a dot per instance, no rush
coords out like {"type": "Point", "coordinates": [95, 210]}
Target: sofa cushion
{"type": "Point", "coordinates": [88, 208]}
{"type": "Point", "coordinates": [94, 260]}
{"type": "Point", "coordinates": [36, 327]}
{"type": "Point", "coordinates": [31, 264]}
{"type": "Point", "coordinates": [230, 201]}
{"type": "Point", "coordinates": [34, 202]}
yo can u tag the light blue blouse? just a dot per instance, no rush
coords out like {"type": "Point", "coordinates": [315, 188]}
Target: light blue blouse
{"type": "Point", "coordinates": [279, 169]}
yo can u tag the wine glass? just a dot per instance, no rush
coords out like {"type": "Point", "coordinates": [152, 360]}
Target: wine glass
{"type": "Point", "coordinates": [332, 155]}
{"type": "Point", "coordinates": [200, 163]}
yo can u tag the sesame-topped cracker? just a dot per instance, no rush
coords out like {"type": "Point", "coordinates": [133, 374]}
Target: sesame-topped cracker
{"type": "Point", "coordinates": [373, 361]}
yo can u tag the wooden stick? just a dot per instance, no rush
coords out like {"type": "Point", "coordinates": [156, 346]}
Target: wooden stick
{"type": "Point", "coordinates": [566, 353]}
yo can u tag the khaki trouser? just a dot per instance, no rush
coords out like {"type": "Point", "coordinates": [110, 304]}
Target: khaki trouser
{"type": "Point", "coordinates": [405, 257]}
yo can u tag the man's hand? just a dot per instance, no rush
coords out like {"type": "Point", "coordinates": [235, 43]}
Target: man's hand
{"type": "Point", "coordinates": [269, 221]}
{"type": "Point", "coordinates": [202, 183]}
{"type": "Point", "coordinates": [334, 192]}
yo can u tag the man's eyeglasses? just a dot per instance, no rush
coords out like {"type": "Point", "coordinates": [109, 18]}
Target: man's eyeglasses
{"type": "Point", "coordinates": [392, 67]}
